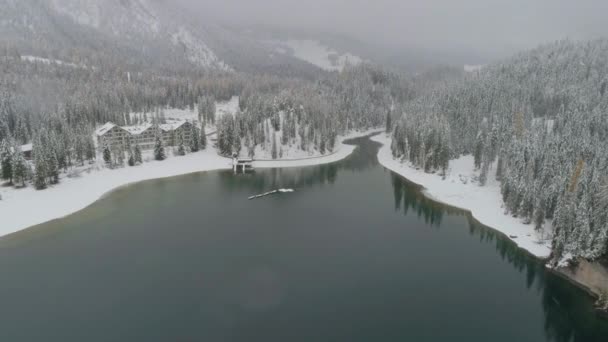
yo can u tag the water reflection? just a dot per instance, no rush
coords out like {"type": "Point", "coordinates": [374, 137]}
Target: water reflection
{"type": "Point", "coordinates": [342, 261]}
{"type": "Point", "coordinates": [301, 177]}
{"type": "Point", "coordinates": [568, 311]}
{"type": "Point", "coordinates": [409, 197]}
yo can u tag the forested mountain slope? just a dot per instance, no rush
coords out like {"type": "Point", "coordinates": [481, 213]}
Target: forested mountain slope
{"type": "Point", "coordinates": [540, 121]}
{"type": "Point", "coordinates": [138, 34]}
{"type": "Point", "coordinates": [69, 66]}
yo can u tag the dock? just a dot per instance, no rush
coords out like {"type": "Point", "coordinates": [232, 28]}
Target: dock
{"type": "Point", "coordinates": [243, 165]}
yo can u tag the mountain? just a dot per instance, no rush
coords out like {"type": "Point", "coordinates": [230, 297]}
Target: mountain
{"type": "Point", "coordinates": [136, 31]}
{"type": "Point", "coordinates": [138, 35]}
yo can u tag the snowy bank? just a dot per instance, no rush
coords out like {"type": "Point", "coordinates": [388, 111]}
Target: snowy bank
{"type": "Point", "coordinates": [22, 208]}
{"type": "Point", "coordinates": [458, 190]}
{"type": "Point", "coordinates": [342, 151]}
{"type": "Point", "coordinates": [76, 193]}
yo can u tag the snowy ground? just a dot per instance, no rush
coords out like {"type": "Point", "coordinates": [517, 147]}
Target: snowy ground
{"type": "Point", "coordinates": [473, 68]}
{"type": "Point", "coordinates": [314, 52]}
{"type": "Point", "coordinates": [227, 107]}
{"type": "Point", "coordinates": [460, 190]}
{"type": "Point", "coordinates": [79, 191]}
{"type": "Point", "coordinates": [221, 108]}
{"type": "Point", "coordinates": [74, 194]}
{"type": "Point", "coordinates": [35, 59]}
{"type": "Point", "coordinates": [342, 151]}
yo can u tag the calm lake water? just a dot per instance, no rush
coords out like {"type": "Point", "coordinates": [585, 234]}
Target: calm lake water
{"type": "Point", "coordinates": [356, 254]}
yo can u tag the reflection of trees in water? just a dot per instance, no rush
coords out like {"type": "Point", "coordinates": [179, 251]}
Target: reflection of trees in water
{"type": "Point", "coordinates": [270, 179]}
{"type": "Point", "coordinates": [569, 312]}
{"type": "Point", "coordinates": [363, 158]}
{"type": "Point", "coordinates": [408, 197]}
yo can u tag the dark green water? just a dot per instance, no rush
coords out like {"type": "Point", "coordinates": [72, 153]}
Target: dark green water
{"type": "Point", "coordinates": [356, 254]}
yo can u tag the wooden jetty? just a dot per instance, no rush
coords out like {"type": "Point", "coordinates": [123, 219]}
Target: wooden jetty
{"type": "Point", "coordinates": [243, 165]}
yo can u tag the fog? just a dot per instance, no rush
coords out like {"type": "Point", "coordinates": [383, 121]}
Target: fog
{"type": "Point", "coordinates": [487, 29]}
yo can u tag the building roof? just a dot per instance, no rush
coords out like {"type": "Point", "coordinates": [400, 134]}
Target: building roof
{"type": "Point", "coordinates": [23, 148]}
{"type": "Point", "coordinates": [105, 129]}
{"type": "Point", "coordinates": [172, 126]}
{"type": "Point", "coordinates": [27, 148]}
{"type": "Point", "coordinates": [139, 129]}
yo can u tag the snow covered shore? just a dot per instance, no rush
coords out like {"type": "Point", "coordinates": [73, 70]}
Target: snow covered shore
{"type": "Point", "coordinates": [459, 190]}
{"type": "Point", "coordinates": [342, 151]}
{"type": "Point", "coordinates": [76, 193]}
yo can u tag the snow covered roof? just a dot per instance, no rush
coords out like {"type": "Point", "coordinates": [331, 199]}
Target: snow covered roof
{"type": "Point", "coordinates": [23, 148]}
{"type": "Point", "coordinates": [104, 129]}
{"type": "Point", "coordinates": [27, 148]}
{"type": "Point", "coordinates": [139, 129]}
{"type": "Point", "coordinates": [171, 126]}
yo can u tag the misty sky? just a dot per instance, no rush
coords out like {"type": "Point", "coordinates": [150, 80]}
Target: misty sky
{"type": "Point", "coordinates": [491, 28]}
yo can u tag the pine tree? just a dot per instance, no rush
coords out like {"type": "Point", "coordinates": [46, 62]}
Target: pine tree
{"type": "Point", "coordinates": [52, 167]}
{"type": "Point", "coordinates": [6, 161]}
{"type": "Point", "coordinates": [274, 147]}
{"type": "Point", "coordinates": [21, 134]}
{"type": "Point", "coordinates": [478, 155]}
{"type": "Point", "coordinates": [201, 111]}
{"type": "Point", "coordinates": [483, 175]}
{"type": "Point", "coordinates": [119, 156]}
{"type": "Point", "coordinates": [159, 149]}
{"type": "Point", "coordinates": [39, 171]}
{"type": "Point", "coordinates": [20, 169]}
{"type": "Point", "coordinates": [181, 149]}
{"type": "Point", "coordinates": [194, 140]}
{"type": "Point", "coordinates": [90, 149]}
{"type": "Point", "coordinates": [203, 140]}
{"type": "Point", "coordinates": [225, 135]}
{"type": "Point", "coordinates": [107, 155]}
{"type": "Point", "coordinates": [137, 157]}
{"type": "Point", "coordinates": [389, 122]}
{"type": "Point", "coordinates": [131, 159]}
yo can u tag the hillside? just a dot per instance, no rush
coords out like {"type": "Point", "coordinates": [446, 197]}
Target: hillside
{"type": "Point", "coordinates": [537, 122]}
{"type": "Point", "coordinates": [138, 34]}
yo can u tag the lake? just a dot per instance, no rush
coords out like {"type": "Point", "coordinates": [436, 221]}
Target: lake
{"type": "Point", "coordinates": [355, 254]}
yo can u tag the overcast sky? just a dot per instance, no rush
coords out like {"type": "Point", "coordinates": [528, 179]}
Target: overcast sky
{"type": "Point", "coordinates": [493, 28]}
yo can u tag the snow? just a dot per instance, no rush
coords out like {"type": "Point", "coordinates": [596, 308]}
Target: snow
{"type": "Point", "coordinates": [115, 15]}
{"type": "Point", "coordinates": [136, 19]}
{"type": "Point", "coordinates": [221, 108]}
{"type": "Point", "coordinates": [278, 191]}
{"type": "Point", "coordinates": [227, 107]}
{"type": "Point", "coordinates": [459, 189]}
{"type": "Point", "coordinates": [104, 129]}
{"type": "Point", "coordinates": [138, 129]}
{"type": "Point", "coordinates": [86, 185]}
{"type": "Point", "coordinates": [171, 126]}
{"type": "Point", "coordinates": [473, 68]}
{"type": "Point", "coordinates": [314, 52]}
{"type": "Point", "coordinates": [27, 148]}
{"type": "Point", "coordinates": [76, 193]}
{"type": "Point", "coordinates": [198, 52]}
{"type": "Point", "coordinates": [88, 15]}
{"type": "Point", "coordinates": [342, 151]}
{"type": "Point", "coordinates": [47, 61]}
